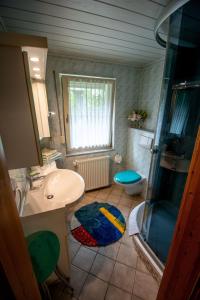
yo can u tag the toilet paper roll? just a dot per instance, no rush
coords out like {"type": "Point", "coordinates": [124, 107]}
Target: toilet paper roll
{"type": "Point", "coordinates": [118, 159]}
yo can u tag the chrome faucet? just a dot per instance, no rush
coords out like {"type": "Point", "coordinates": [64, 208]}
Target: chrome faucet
{"type": "Point", "coordinates": [32, 178]}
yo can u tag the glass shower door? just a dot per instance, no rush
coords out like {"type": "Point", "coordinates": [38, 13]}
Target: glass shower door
{"type": "Point", "coordinates": [178, 122]}
{"type": "Point", "coordinates": [171, 163]}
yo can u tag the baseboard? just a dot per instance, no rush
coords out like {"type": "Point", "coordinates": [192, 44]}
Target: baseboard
{"type": "Point", "coordinates": [152, 263]}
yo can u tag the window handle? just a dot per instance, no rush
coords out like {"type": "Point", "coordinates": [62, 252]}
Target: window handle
{"type": "Point", "coordinates": [67, 118]}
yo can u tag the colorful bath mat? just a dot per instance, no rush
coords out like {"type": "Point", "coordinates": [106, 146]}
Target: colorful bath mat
{"type": "Point", "coordinates": [98, 224]}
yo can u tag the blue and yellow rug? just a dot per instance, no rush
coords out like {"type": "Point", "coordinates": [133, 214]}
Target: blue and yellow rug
{"type": "Point", "coordinates": [98, 224]}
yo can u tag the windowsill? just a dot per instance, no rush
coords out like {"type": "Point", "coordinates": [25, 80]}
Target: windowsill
{"type": "Point", "coordinates": [89, 152]}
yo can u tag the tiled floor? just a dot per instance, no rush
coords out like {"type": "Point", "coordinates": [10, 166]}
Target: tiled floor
{"type": "Point", "coordinates": [113, 272]}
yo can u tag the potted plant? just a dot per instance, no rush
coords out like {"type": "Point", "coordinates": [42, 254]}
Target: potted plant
{"type": "Point", "coordinates": [136, 118]}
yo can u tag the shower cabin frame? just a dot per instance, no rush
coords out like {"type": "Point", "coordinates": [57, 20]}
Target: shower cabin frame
{"type": "Point", "coordinates": [155, 261]}
{"type": "Point", "coordinates": [172, 76]}
{"type": "Point", "coordinates": [181, 274]}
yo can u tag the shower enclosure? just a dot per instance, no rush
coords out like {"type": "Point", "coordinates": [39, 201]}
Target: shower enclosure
{"type": "Point", "coordinates": [177, 127]}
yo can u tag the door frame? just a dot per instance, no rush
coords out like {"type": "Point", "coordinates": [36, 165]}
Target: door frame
{"type": "Point", "coordinates": [182, 269]}
{"type": "Point", "coordinates": [14, 256]}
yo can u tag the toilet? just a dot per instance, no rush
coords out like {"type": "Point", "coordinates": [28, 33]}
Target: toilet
{"type": "Point", "coordinates": [132, 181]}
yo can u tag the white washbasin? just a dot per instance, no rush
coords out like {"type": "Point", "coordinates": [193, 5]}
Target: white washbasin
{"type": "Point", "coordinates": [65, 186]}
{"type": "Point", "coordinates": [59, 188]}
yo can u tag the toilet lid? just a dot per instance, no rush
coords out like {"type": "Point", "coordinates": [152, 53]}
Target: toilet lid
{"type": "Point", "coordinates": [126, 177]}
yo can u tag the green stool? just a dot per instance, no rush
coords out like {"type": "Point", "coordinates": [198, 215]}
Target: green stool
{"type": "Point", "coordinates": [44, 250]}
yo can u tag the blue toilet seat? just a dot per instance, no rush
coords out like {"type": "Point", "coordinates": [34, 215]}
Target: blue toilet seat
{"type": "Point", "coordinates": [127, 177]}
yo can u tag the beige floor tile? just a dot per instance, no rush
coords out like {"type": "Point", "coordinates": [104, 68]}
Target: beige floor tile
{"type": "Point", "coordinates": [126, 202]}
{"type": "Point", "coordinates": [73, 248]}
{"type": "Point", "coordinates": [111, 202]}
{"type": "Point", "coordinates": [102, 267]}
{"type": "Point", "coordinates": [93, 289]}
{"type": "Point", "coordinates": [87, 200]}
{"type": "Point", "coordinates": [113, 198]}
{"type": "Point", "coordinates": [141, 266]}
{"type": "Point", "coordinates": [138, 198]}
{"type": "Point", "coordinates": [123, 277]}
{"type": "Point", "coordinates": [100, 200]}
{"type": "Point", "coordinates": [134, 204]}
{"type": "Point", "coordinates": [77, 279]}
{"type": "Point", "coordinates": [126, 239]}
{"type": "Point", "coordinates": [117, 187]}
{"type": "Point", "coordinates": [106, 190]}
{"type": "Point", "coordinates": [145, 286]}
{"type": "Point", "coordinates": [136, 298]}
{"type": "Point", "coordinates": [124, 210]}
{"type": "Point", "coordinates": [127, 255]}
{"type": "Point", "coordinates": [78, 206]}
{"type": "Point", "coordinates": [102, 195]}
{"type": "Point", "coordinates": [113, 293]}
{"type": "Point", "coordinates": [84, 258]}
{"type": "Point", "coordinates": [116, 192]}
{"type": "Point", "coordinates": [126, 196]}
{"type": "Point", "coordinates": [110, 251]}
{"type": "Point", "coordinates": [92, 194]}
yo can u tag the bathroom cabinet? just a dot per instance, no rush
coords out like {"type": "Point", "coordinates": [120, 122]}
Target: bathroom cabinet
{"type": "Point", "coordinates": [18, 123]}
{"type": "Point", "coordinates": [54, 221]}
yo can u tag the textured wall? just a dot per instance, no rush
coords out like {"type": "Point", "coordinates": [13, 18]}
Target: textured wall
{"type": "Point", "coordinates": [150, 81]}
{"type": "Point", "coordinates": [135, 88]}
{"type": "Point", "coordinates": [127, 88]}
{"type": "Point", "coordinates": [138, 157]}
{"type": "Point", "coordinates": [149, 91]}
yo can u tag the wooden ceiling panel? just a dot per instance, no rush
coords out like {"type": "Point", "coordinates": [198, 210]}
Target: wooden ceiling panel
{"type": "Point", "coordinates": [10, 14]}
{"type": "Point", "coordinates": [123, 28]}
{"type": "Point", "coordinates": [148, 8]}
{"type": "Point", "coordinates": [67, 34]}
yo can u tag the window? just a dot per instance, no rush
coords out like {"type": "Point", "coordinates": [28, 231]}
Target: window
{"type": "Point", "coordinates": [88, 109]}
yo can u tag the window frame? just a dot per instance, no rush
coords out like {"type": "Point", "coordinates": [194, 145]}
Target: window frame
{"type": "Point", "coordinates": [65, 78]}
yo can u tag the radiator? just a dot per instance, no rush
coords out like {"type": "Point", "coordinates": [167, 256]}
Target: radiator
{"type": "Point", "coordinates": [94, 170]}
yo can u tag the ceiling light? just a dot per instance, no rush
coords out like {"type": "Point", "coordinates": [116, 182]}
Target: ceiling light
{"type": "Point", "coordinates": [36, 69]}
{"type": "Point", "coordinates": [34, 59]}
{"type": "Point", "coordinates": [37, 76]}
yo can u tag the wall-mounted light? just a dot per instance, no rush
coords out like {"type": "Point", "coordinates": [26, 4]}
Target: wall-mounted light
{"type": "Point", "coordinates": [36, 69]}
{"type": "Point", "coordinates": [34, 59]}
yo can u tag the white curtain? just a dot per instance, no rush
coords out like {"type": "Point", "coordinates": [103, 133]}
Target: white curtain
{"type": "Point", "coordinates": [90, 113]}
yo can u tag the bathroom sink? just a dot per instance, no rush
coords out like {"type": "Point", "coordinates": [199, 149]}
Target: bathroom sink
{"type": "Point", "coordinates": [65, 186]}
{"type": "Point", "coordinates": [59, 188]}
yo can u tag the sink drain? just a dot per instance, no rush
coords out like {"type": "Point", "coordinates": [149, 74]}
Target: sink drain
{"type": "Point", "coordinates": [50, 196]}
